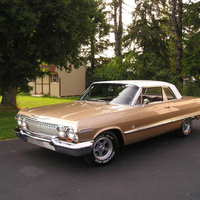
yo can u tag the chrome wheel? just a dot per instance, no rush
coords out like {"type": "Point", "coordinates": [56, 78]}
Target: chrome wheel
{"type": "Point", "coordinates": [186, 128]}
{"type": "Point", "coordinates": [103, 148]}
{"type": "Point", "coordinates": [187, 125]}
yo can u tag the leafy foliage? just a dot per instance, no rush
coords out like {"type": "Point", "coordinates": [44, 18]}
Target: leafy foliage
{"type": "Point", "coordinates": [33, 32]}
{"type": "Point", "coordinates": [149, 36]}
{"type": "Point", "coordinates": [151, 44]}
{"type": "Point", "coordinates": [191, 54]}
{"type": "Point", "coordinates": [47, 31]}
{"type": "Point", "coordinates": [115, 70]}
{"type": "Point", "coordinates": [97, 43]}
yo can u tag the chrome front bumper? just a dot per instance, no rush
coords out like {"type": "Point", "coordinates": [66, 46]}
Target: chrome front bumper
{"type": "Point", "coordinates": [55, 144]}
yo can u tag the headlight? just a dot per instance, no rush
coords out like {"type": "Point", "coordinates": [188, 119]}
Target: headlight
{"type": "Point", "coordinates": [67, 133]}
{"type": "Point", "coordinates": [61, 131]}
{"type": "Point", "coordinates": [24, 125]}
{"type": "Point", "coordinates": [19, 120]}
{"type": "Point", "coordinates": [72, 135]}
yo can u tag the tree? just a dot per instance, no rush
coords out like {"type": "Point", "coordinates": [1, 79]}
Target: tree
{"type": "Point", "coordinates": [191, 53]}
{"type": "Point", "coordinates": [98, 43]}
{"type": "Point", "coordinates": [118, 26]}
{"type": "Point", "coordinates": [36, 32]}
{"type": "Point", "coordinates": [177, 9]}
{"type": "Point", "coordinates": [116, 6]}
{"type": "Point", "coordinates": [149, 39]}
{"type": "Point", "coordinates": [118, 69]}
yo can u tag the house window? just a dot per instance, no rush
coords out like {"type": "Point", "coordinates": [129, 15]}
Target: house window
{"type": "Point", "coordinates": [54, 78]}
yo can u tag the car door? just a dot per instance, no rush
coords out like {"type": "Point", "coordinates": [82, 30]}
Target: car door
{"type": "Point", "coordinates": [153, 117]}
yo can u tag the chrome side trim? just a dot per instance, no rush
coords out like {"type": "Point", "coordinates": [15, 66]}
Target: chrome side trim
{"type": "Point", "coordinates": [86, 130]}
{"type": "Point", "coordinates": [181, 118]}
{"type": "Point", "coordinates": [147, 127]}
{"type": "Point", "coordinates": [162, 123]}
{"type": "Point", "coordinates": [154, 125]}
{"type": "Point", "coordinates": [131, 131]}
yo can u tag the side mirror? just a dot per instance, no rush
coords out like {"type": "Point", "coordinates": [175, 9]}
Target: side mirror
{"type": "Point", "coordinates": [146, 102]}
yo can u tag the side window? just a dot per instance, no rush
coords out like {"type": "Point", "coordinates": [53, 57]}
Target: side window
{"type": "Point", "coordinates": [153, 94]}
{"type": "Point", "coordinates": [169, 94]}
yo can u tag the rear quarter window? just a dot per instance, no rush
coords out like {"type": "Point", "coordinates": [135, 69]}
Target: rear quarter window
{"type": "Point", "coordinates": [169, 94]}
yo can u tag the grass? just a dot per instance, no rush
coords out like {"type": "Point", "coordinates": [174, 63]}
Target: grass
{"type": "Point", "coordinates": [30, 101]}
{"type": "Point", "coordinates": [7, 124]}
{"type": "Point", "coordinates": [7, 116]}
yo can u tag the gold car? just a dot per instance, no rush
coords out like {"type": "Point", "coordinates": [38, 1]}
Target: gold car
{"type": "Point", "coordinates": [108, 115]}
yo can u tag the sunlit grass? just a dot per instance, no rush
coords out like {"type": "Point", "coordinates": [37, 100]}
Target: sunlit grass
{"type": "Point", "coordinates": [30, 101]}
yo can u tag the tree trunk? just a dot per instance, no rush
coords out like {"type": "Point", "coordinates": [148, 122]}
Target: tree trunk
{"type": "Point", "coordinates": [116, 29]}
{"type": "Point", "coordinates": [9, 96]}
{"type": "Point", "coordinates": [178, 28]}
{"type": "Point", "coordinates": [118, 26]}
{"type": "Point", "coordinates": [92, 58]}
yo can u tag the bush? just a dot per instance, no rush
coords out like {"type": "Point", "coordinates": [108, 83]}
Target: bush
{"type": "Point", "coordinates": [188, 89]}
{"type": "Point", "coordinates": [191, 89]}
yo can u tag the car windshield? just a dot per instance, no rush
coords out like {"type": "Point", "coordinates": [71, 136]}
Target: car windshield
{"type": "Point", "coordinates": [111, 93]}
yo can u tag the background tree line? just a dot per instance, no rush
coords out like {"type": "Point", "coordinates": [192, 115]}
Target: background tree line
{"type": "Point", "coordinates": [161, 43]}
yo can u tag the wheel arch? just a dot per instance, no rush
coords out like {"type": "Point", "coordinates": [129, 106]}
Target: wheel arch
{"type": "Point", "coordinates": [117, 133]}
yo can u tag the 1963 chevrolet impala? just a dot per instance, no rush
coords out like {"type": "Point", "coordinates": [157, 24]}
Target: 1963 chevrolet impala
{"type": "Point", "coordinates": [108, 115]}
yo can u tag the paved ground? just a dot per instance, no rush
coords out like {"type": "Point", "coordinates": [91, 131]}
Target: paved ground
{"type": "Point", "coordinates": [162, 168]}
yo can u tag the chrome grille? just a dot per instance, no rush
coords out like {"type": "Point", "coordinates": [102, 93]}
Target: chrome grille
{"type": "Point", "coordinates": [41, 127]}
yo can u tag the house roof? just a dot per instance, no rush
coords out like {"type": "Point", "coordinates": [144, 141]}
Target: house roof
{"type": "Point", "coordinates": [51, 68]}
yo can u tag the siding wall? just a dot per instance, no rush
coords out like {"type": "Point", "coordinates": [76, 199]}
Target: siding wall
{"type": "Point", "coordinates": [68, 84]}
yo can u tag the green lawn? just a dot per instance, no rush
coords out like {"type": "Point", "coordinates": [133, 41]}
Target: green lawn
{"type": "Point", "coordinates": [7, 121]}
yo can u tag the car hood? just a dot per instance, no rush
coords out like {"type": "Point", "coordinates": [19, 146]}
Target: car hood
{"type": "Point", "coordinates": [73, 111]}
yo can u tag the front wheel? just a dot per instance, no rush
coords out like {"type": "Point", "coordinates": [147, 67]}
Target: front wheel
{"type": "Point", "coordinates": [105, 148]}
{"type": "Point", "coordinates": [186, 128]}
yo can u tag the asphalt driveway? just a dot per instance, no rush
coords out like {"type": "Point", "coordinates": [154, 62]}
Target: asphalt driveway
{"type": "Point", "coordinates": [161, 168]}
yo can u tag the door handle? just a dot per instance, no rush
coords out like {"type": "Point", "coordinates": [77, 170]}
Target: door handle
{"type": "Point", "coordinates": [167, 107]}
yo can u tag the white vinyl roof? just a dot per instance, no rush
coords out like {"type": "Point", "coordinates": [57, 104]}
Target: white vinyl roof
{"type": "Point", "coordinates": [147, 83]}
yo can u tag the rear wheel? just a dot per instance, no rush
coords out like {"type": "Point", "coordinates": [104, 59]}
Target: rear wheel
{"type": "Point", "coordinates": [105, 148]}
{"type": "Point", "coordinates": [186, 128]}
